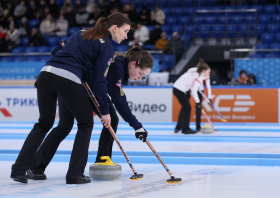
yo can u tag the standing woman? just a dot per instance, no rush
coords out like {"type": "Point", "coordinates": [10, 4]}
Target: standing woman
{"type": "Point", "coordinates": [86, 54]}
{"type": "Point", "coordinates": [135, 64]}
{"type": "Point", "coordinates": [188, 84]}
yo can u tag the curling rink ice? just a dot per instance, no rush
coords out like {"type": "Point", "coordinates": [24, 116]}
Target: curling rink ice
{"type": "Point", "coordinates": [241, 160]}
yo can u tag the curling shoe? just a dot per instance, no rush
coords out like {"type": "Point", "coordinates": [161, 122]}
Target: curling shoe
{"type": "Point", "coordinates": [176, 130]}
{"type": "Point", "coordinates": [35, 175]}
{"type": "Point", "coordinates": [189, 131]}
{"type": "Point", "coordinates": [81, 180]}
{"type": "Point", "coordinates": [19, 178]}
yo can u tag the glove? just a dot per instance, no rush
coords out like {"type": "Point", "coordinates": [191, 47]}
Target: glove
{"type": "Point", "coordinates": [141, 134]}
{"type": "Point", "coordinates": [210, 101]}
{"type": "Point", "coordinates": [198, 106]}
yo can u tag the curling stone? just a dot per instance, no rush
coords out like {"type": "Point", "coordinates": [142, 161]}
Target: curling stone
{"type": "Point", "coordinates": [207, 129]}
{"type": "Point", "coordinates": [105, 170]}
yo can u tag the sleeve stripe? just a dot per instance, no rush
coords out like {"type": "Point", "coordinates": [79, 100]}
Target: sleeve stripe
{"type": "Point", "coordinates": [197, 81]}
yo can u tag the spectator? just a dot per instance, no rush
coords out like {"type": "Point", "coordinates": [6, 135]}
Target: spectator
{"type": "Point", "coordinates": [70, 16]}
{"type": "Point", "coordinates": [61, 27]}
{"type": "Point", "coordinates": [47, 26]}
{"type": "Point", "coordinates": [41, 9]}
{"type": "Point", "coordinates": [24, 28]}
{"type": "Point", "coordinates": [45, 13]}
{"type": "Point", "coordinates": [54, 9]}
{"type": "Point", "coordinates": [142, 33]}
{"type": "Point", "coordinates": [13, 34]}
{"type": "Point", "coordinates": [3, 32]}
{"type": "Point", "coordinates": [82, 17]}
{"type": "Point", "coordinates": [243, 79]}
{"type": "Point", "coordinates": [162, 43]}
{"type": "Point", "coordinates": [10, 21]}
{"type": "Point", "coordinates": [132, 14]}
{"type": "Point", "coordinates": [36, 39]}
{"type": "Point", "coordinates": [115, 6]}
{"type": "Point", "coordinates": [20, 10]}
{"type": "Point", "coordinates": [157, 15]}
{"type": "Point", "coordinates": [104, 6]}
{"type": "Point", "coordinates": [32, 10]}
{"type": "Point", "coordinates": [90, 6]}
{"type": "Point", "coordinates": [79, 5]}
{"type": "Point", "coordinates": [10, 7]}
{"type": "Point", "coordinates": [95, 15]}
{"type": "Point", "coordinates": [4, 18]}
{"type": "Point", "coordinates": [6, 44]}
{"type": "Point", "coordinates": [175, 46]}
{"type": "Point", "coordinates": [214, 77]}
{"type": "Point", "coordinates": [67, 3]}
{"type": "Point", "coordinates": [155, 34]}
{"type": "Point", "coordinates": [134, 43]}
{"type": "Point", "coordinates": [145, 15]}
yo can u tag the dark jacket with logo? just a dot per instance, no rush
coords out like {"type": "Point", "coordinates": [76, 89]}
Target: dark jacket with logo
{"type": "Point", "coordinates": [87, 59]}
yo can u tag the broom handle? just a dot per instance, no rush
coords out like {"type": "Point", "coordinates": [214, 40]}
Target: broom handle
{"type": "Point", "coordinates": [110, 128]}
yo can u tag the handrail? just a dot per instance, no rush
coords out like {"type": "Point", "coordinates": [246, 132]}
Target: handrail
{"type": "Point", "coordinates": [254, 50]}
{"type": "Point", "coordinates": [243, 10]}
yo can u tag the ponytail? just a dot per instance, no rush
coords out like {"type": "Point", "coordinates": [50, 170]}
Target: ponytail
{"type": "Point", "coordinates": [201, 65]}
{"type": "Point", "coordinates": [101, 28]}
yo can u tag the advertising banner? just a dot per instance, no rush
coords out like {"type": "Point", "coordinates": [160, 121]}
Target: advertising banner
{"type": "Point", "coordinates": [237, 105]}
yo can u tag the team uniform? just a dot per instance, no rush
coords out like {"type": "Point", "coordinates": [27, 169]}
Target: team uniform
{"type": "Point", "coordinates": [188, 84]}
{"type": "Point", "coordinates": [117, 74]}
{"type": "Point", "coordinates": [61, 78]}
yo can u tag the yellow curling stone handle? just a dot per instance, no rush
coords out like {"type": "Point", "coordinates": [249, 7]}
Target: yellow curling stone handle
{"type": "Point", "coordinates": [108, 161]}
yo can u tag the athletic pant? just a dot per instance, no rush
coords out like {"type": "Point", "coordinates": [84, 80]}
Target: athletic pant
{"type": "Point", "coordinates": [185, 112]}
{"type": "Point", "coordinates": [49, 88]}
{"type": "Point", "coordinates": [66, 120]}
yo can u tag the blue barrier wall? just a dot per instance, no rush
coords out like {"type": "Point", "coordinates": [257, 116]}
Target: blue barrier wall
{"type": "Point", "coordinates": [266, 70]}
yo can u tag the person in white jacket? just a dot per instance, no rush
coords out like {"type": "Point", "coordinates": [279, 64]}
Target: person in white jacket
{"type": "Point", "coordinates": [142, 33]}
{"type": "Point", "coordinates": [186, 86]}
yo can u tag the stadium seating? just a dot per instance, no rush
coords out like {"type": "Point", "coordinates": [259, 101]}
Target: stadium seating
{"type": "Point", "coordinates": [230, 8]}
{"type": "Point", "coordinates": [210, 20]}
{"type": "Point", "coordinates": [268, 37]}
{"type": "Point", "coordinates": [269, 9]}
{"type": "Point", "coordinates": [172, 20]}
{"type": "Point", "coordinates": [33, 22]}
{"type": "Point", "coordinates": [262, 46]}
{"type": "Point", "coordinates": [204, 31]}
{"type": "Point", "coordinates": [276, 18]}
{"type": "Point", "coordinates": [43, 49]}
{"type": "Point", "coordinates": [190, 11]}
{"type": "Point", "coordinates": [277, 38]}
{"type": "Point", "coordinates": [251, 18]}
{"type": "Point", "coordinates": [166, 28]}
{"type": "Point", "coordinates": [177, 28]}
{"type": "Point", "coordinates": [122, 48]}
{"type": "Point", "coordinates": [244, 30]}
{"type": "Point", "coordinates": [265, 18]}
{"type": "Point", "coordinates": [30, 49]}
{"type": "Point", "coordinates": [24, 41]}
{"type": "Point", "coordinates": [273, 28]}
{"type": "Point", "coordinates": [32, 58]}
{"type": "Point", "coordinates": [72, 30]}
{"type": "Point", "coordinates": [259, 8]}
{"type": "Point", "coordinates": [275, 46]}
{"type": "Point", "coordinates": [174, 3]}
{"type": "Point", "coordinates": [187, 3]}
{"type": "Point", "coordinates": [148, 47]}
{"type": "Point", "coordinates": [7, 59]}
{"type": "Point", "coordinates": [224, 19]}
{"type": "Point", "coordinates": [18, 49]}
{"type": "Point", "coordinates": [231, 31]}
{"type": "Point", "coordinates": [167, 11]}
{"type": "Point", "coordinates": [178, 11]}
{"type": "Point", "coordinates": [18, 58]}
{"type": "Point", "coordinates": [237, 19]}
{"type": "Point", "coordinates": [255, 56]}
{"type": "Point", "coordinates": [183, 20]}
{"type": "Point", "coordinates": [168, 61]}
{"type": "Point", "coordinates": [217, 8]}
{"type": "Point", "coordinates": [218, 31]}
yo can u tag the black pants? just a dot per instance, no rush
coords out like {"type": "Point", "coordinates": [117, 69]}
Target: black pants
{"type": "Point", "coordinates": [49, 88]}
{"type": "Point", "coordinates": [66, 120]}
{"type": "Point", "coordinates": [185, 112]}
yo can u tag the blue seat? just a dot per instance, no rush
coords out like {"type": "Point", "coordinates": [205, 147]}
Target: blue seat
{"type": "Point", "coordinates": [212, 2]}
{"type": "Point", "coordinates": [230, 8]}
{"type": "Point", "coordinates": [169, 61]}
{"type": "Point", "coordinates": [18, 50]}
{"type": "Point", "coordinates": [183, 20]}
{"type": "Point", "coordinates": [275, 46]}
{"type": "Point", "coordinates": [186, 39]}
{"type": "Point", "coordinates": [122, 48]}
{"type": "Point", "coordinates": [224, 19]}
{"type": "Point", "coordinates": [64, 38]}
{"type": "Point", "coordinates": [53, 40]}
{"type": "Point", "coordinates": [52, 48]}
{"type": "Point", "coordinates": [33, 22]}
{"type": "Point", "coordinates": [198, 20]}
{"type": "Point", "coordinates": [269, 9]}
{"type": "Point", "coordinates": [43, 49]}
{"type": "Point", "coordinates": [204, 31]}
{"type": "Point", "coordinates": [44, 58]}
{"type": "Point", "coordinates": [250, 18]}
{"type": "Point", "coordinates": [178, 11]}
{"type": "Point", "coordinates": [201, 3]}
{"type": "Point", "coordinates": [277, 38]}
{"type": "Point", "coordinates": [177, 28]}
{"type": "Point", "coordinates": [24, 41]}
{"type": "Point", "coordinates": [174, 3]}
{"type": "Point", "coordinates": [273, 28]}
{"type": "Point", "coordinates": [187, 3]}
{"type": "Point", "coordinates": [30, 49]}
{"type": "Point", "coordinates": [210, 20]}
{"type": "Point", "coordinates": [217, 8]}
{"type": "Point", "coordinates": [150, 27]}
{"type": "Point", "coordinates": [190, 30]}
{"type": "Point", "coordinates": [7, 59]}
{"type": "Point", "coordinates": [172, 20]}
{"type": "Point", "coordinates": [72, 30]}
{"type": "Point", "coordinates": [276, 18]}
{"type": "Point", "coordinates": [271, 55]}
{"type": "Point", "coordinates": [138, 3]}
{"type": "Point", "coordinates": [259, 8]}
{"type": "Point", "coordinates": [32, 58]}
{"type": "Point", "coordinates": [150, 3]}
{"type": "Point", "coordinates": [265, 18]}
{"type": "Point", "coordinates": [244, 30]}
{"type": "Point", "coordinates": [218, 31]}
{"type": "Point", "coordinates": [231, 31]}
{"type": "Point", "coordinates": [19, 58]}
{"type": "Point", "coordinates": [237, 19]}
{"type": "Point", "coordinates": [169, 37]}
{"type": "Point", "coordinates": [268, 38]}
{"type": "Point", "coordinates": [242, 7]}
{"type": "Point", "coordinates": [254, 56]}
{"type": "Point", "coordinates": [190, 10]}
{"type": "Point", "coordinates": [260, 30]}
{"type": "Point", "coordinates": [167, 11]}
{"type": "Point", "coordinates": [162, 3]}
{"type": "Point", "coordinates": [148, 47]}
{"type": "Point", "coordinates": [166, 28]}
{"type": "Point", "coordinates": [262, 46]}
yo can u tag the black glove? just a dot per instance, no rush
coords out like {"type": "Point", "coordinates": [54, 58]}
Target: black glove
{"type": "Point", "coordinates": [198, 106]}
{"type": "Point", "coordinates": [141, 134]}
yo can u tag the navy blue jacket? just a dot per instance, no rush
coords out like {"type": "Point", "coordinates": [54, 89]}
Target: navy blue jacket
{"type": "Point", "coordinates": [87, 59]}
{"type": "Point", "coordinates": [117, 75]}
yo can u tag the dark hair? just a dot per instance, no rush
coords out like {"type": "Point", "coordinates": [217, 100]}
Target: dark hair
{"type": "Point", "coordinates": [201, 65]}
{"type": "Point", "coordinates": [143, 58]}
{"type": "Point", "coordinates": [242, 71]}
{"type": "Point", "coordinates": [100, 30]}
